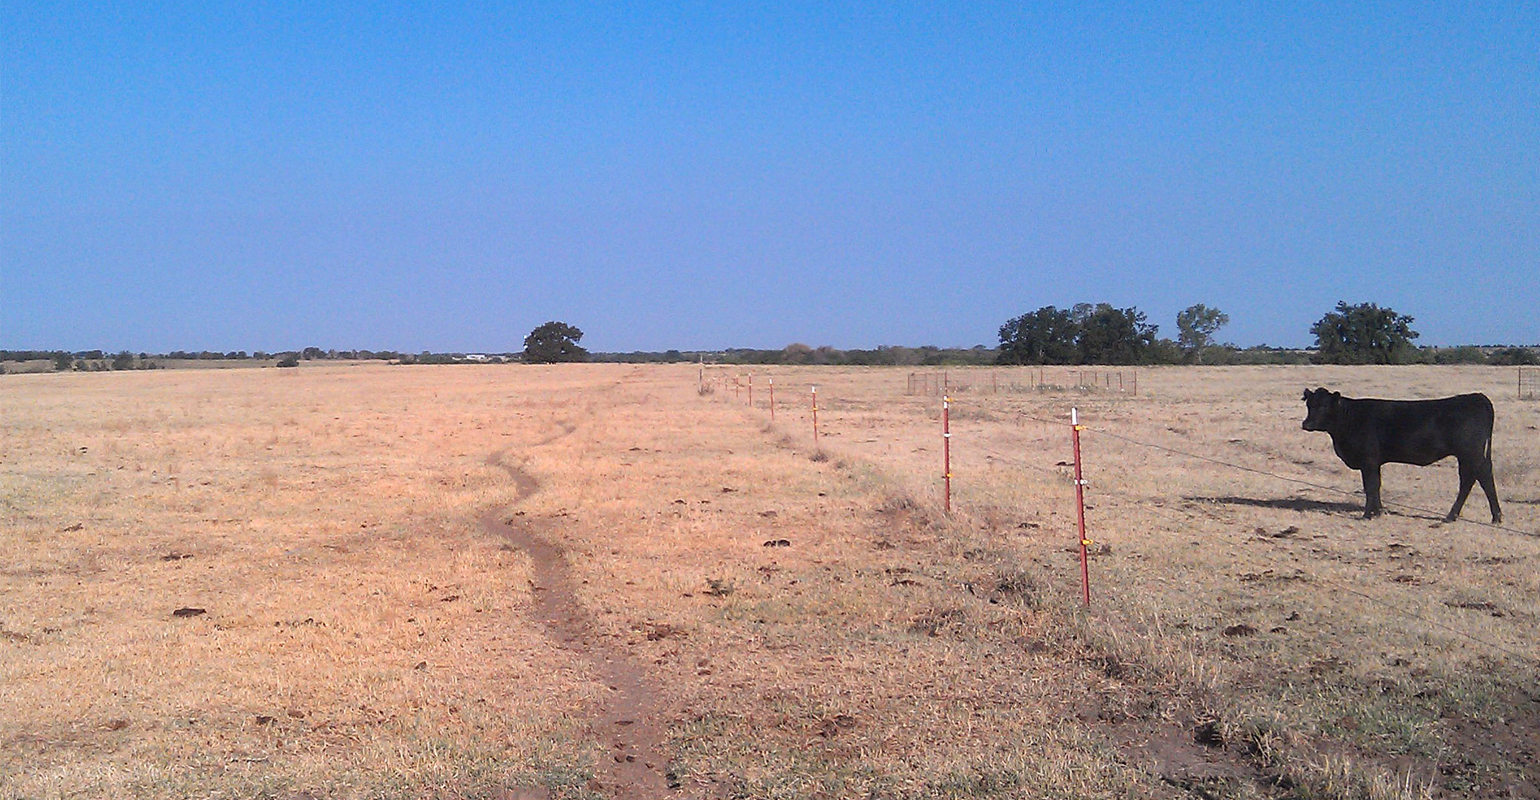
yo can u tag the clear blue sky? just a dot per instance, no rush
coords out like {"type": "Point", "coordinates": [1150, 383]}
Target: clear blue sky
{"type": "Point", "coordinates": [447, 176]}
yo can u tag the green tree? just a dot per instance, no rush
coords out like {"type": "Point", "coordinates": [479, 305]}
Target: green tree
{"type": "Point", "coordinates": [1196, 326]}
{"type": "Point", "coordinates": [1083, 334]}
{"type": "Point", "coordinates": [797, 353]}
{"type": "Point", "coordinates": [1115, 336]}
{"type": "Point", "coordinates": [1363, 334]}
{"type": "Point", "coordinates": [63, 362]}
{"type": "Point", "coordinates": [1045, 336]}
{"type": "Point", "coordinates": [554, 342]}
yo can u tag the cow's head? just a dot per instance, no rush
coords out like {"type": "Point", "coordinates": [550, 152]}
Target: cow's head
{"type": "Point", "coordinates": [1320, 407]}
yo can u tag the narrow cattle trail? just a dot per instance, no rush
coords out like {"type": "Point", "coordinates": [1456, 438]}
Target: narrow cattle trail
{"type": "Point", "coordinates": [630, 718]}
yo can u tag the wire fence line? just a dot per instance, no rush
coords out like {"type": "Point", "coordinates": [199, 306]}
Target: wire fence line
{"type": "Point", "coordinates": [804, 387]}
{"type": "Point", "coordinates": [1022, 379]}
{"type": "Point", "coordinates": [1055, 472]}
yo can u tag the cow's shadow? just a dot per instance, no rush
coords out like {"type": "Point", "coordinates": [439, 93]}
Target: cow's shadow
{"type": "Point", "coordinates": [1285, 503]}
{"type": "Point", "coordinates": [1317, 506]}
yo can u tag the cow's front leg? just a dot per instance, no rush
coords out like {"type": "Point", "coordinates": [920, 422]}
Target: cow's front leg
{"type": "Point", "coordinates": [1372, 507]}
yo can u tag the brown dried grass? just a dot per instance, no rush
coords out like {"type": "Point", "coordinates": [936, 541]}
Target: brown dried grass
{"type": "Point", "coordinates": [364, 637]}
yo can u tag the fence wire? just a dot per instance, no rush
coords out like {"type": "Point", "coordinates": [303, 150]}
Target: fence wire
{"type": "Point", "coordinates": [1403, 611]}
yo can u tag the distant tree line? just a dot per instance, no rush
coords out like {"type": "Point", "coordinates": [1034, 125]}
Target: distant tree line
{"type": "Point", "coordinates": [99, 360]}
{"type": "Point", "coordinates": [30, 355]}
{"type": "Point", "coordinates": [83, 361]}
{"type": "Point", "coordinates": [1082, 334]}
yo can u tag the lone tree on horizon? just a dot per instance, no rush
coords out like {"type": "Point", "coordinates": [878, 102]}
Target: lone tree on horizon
{"type": "Point", "coordinates": [1363, 334]}
{"type": "Point", "coordinates": [554, 342]}
{"type": "Point", "coordinates": [1196, 326]}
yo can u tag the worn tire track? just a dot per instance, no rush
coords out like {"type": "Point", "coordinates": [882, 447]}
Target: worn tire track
{"type": "Point", "coordinates": [629, 720]}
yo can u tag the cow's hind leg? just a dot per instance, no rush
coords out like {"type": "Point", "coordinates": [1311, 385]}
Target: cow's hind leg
{"type": "Point", "coordinates": [1488, 485]}
{"type": "Point", "coordinates": [1468, 474]}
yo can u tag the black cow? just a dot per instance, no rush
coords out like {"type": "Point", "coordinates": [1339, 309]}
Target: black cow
{"type": "Point", "coordinates": [1368, 433]}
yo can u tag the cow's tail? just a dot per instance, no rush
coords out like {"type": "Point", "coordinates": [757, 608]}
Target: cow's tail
{"type": "Point", "coordinates": [1491, 428]}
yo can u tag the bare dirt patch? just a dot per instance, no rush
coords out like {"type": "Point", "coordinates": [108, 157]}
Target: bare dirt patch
{"type": "Point", "coordinates": [629, 717]}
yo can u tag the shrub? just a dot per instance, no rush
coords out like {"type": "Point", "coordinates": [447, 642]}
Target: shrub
{"type": "Point", "coordinates": [1514, 357]}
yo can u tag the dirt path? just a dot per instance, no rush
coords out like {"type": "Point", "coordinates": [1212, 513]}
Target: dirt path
{"type": "Point", "coordinates": [630, 720]}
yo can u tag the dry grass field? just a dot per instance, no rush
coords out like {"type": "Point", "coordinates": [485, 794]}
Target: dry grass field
{"type": "Point", "coordinates": [604, 581]}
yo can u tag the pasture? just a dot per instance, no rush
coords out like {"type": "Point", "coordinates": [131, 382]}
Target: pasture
{"type": "Point", "coordinates": [582, 581]}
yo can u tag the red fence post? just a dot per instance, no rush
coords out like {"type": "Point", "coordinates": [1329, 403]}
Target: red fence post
{"type": "Point", "coordinates": [772, 399]}
{"type": "Point", "coordinates": [1085, 565]}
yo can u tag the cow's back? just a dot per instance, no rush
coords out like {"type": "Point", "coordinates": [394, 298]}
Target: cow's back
{"type": "Point", "coordinates": [1423, 431]}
